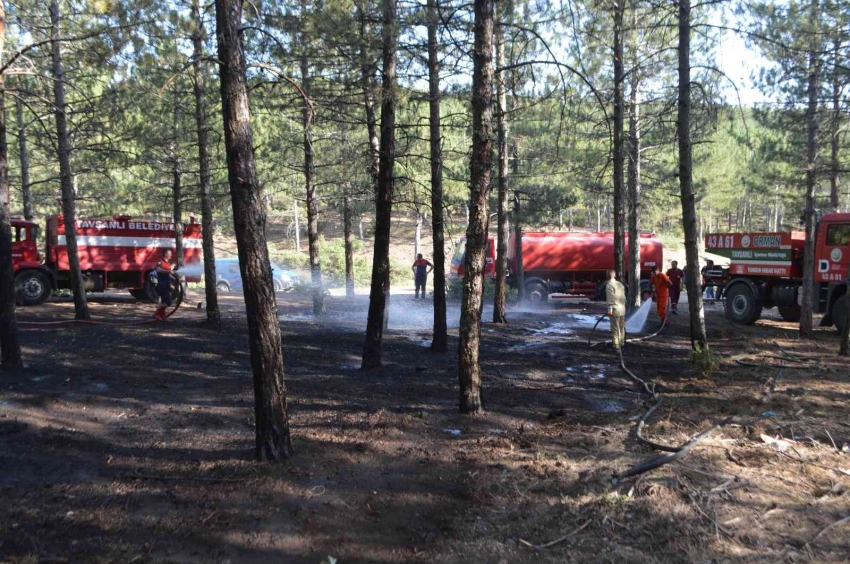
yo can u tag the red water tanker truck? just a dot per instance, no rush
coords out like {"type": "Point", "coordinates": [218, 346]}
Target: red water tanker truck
{"type": "Point", "coordinates": [114, 253]}
{"type": "Point", "coordinates": [766, 270]}
{"type": "Point", "coordinates": [564, 264]}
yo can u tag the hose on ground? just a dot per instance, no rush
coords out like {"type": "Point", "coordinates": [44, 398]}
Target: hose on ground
{"type": "Point", "coordinates": [591, 344]}
{"type": "Point", "coordinates": [177, 303]}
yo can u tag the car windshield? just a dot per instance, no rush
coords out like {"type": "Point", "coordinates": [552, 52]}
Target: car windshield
{"type": "Point", "coordinates": [276, 267]}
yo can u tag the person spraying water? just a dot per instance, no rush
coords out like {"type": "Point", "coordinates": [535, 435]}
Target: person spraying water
{"type": "Point", "coordinates": [615, 297]}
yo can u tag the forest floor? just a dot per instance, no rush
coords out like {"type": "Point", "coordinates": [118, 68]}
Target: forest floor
{"type": "Point", "coordinates": [134, 443]}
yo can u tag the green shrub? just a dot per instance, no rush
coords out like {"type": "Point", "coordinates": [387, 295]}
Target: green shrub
{"type": "Point", "coordinates": [705, 363]}
{"type": "Point", "coordinates": [290, 259]}
{"type": "Point", "coordinates": [333, 262]}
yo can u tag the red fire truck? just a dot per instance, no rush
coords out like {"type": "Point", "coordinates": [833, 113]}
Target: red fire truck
{"type": "Point", "coordinates": [564, 264]}
{"type": "Point", "coordinates": [114, 253]}
{"type": "Point", "coordinates": [766, 270]}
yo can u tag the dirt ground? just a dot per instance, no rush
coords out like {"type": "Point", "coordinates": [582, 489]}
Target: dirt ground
{"type": "Point", "coordinates": [134, 443]}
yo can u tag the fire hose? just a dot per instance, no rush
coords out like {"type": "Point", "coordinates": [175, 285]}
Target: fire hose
{"type": "Point", "coordinates": [179, 300]}
{"type": "Point", "coordinates": [591, 344]}
{"type": "Point", "coordinates": [671, 453]}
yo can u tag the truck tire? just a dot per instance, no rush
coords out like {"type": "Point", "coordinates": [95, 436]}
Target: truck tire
{"type": "Point", "coordinates": [150, 290]}
{"type": "Point", "coordinates": [222, 287]}
{"type": "Point", "coordinates": [742, 306]}
{"type": "Point", "coordinates": [140, 294]}
{"type": "Point", "coordinates": [536, 292]}
{"type": "Point", "coordinates": [790, 313]}
{"type": "Point", "coordinates": [841, 312]}
{"type": "Point", "coordinates": [32, 287]}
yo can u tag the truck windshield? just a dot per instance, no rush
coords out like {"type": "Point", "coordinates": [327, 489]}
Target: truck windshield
{"type": "Point", "coordinates": [838, 235]}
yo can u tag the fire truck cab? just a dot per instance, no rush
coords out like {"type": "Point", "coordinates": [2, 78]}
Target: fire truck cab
{"type": "Point", "coordinates": [33, 280]}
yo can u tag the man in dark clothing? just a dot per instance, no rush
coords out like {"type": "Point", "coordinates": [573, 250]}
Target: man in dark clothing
{"type": "Point", "coordinates": [708, 290]}
{"type": "Point", "coordinates": [676, 276]}
{"type": "Point", "coordinates": [421, 269]}
{"type": "Point", "coordinates": [164, 273]}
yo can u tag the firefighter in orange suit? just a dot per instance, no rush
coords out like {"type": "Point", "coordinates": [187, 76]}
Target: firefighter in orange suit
{"type": "Point", "coordinates": [661, 283]}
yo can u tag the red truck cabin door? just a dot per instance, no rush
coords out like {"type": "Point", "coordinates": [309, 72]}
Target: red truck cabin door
{"type": "Point", "coordinates": [832, 255]}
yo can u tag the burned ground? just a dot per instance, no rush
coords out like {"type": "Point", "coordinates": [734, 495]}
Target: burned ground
{"type": "Point", "coordinates": [134, 444]}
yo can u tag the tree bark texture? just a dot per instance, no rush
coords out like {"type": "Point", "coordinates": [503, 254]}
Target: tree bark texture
{"type": "Point", "coordinates": [834, 145]}
{"type": "Point", "coordinates": [297, 225]}
{"type": "Point", "coordinates": [380, 288]}
{"type": "Point", "coordinates": [810, 214]}
{"type": "Point", "coordinates": [10, 349]}
{"type": "Point", "coordinates": [844, 346]}
{"type": "Point", "coordinates": [349, 245]}
{"type": "Point", "coordinates": [310, 185]}
{"type": "Point", "coordinates": [619, 146]}
{"type": "Point", "coordinates": [634, 184]}
{"type": "Point", "coordinates": [205, 187]}
{"type": "Point", "coordinates": [500, 297]}
{"type": "Point", "coordinates": [367, 84]}
{"type": "Point", "coordinates": [519, 273]}
{"type": "Point", "coordinates": [177, 185]}
{"type": "Point", "coordinates": [469, 367]}
{"type": "Point", "coordinates": [81, 306]}
{"type": "Point", "coordinates": [26, 191]}
{"type": "Point", "coordinates": [699, 340]}
{"type": "Point", "coordinates": [439, 341]}
{"type": "Point", "coordinates": [417, 235]}
{"type": "Point", "coordinates": [249, 219]}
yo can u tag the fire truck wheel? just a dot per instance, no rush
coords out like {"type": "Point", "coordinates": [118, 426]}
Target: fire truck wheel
{"type": "Point", "coordinates": [742, 306]}
{"type": "Point", "coordinates": [536, 292]}
{"type": "Point", "coordinates": [790, 313]}
{"type": "Point", "coordinates": [32, 287]}
{"type": "Point", "coordinates": [840, 312]}
{"type": "Point", "coordinates": [140, 294]}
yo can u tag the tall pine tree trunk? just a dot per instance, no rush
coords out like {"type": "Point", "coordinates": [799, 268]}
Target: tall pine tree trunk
{"type": "Point", "coordinates": [417, 235]}
{"type": "Point", "coordinates": [810, 214]}
{"type": "Point", "coordinates": [500, 298]}
{"type": "Point", "coordinates": [297, 222]}
{"type": "Point", "coordinates": [619, 146]}
{"type": "Point", "coordinates": [469, 367]}
{"type": "Point", "coordinates": [844, 346]}
{"type": "Point", "coordinates": [367, 84]}
{"type": "Point", "coordinates": [177, 185]}
{"type": "Point", "coordinates": [699, 340]}
{"type": "Point", "coordinates": [26, 191]}
{"type": "Point", "coordinates": [210, 290]}
{"type": "Point", "coordinates": [519, 268]}
{"type": "Point", "coordinates": [249, 220]}
{"type": "Point", "coordinates": [349, 243]}
{"type": "Point", "coordinates": [10, 349]}
{"type": "Point", "coordinates": [81, 306]}
{"type": "Point", "coordinates": [310, 184]}
{"type": "Point", "coordinates": [633, 175]}
{"type": "Point", "coordinates": [834, 141]}
{"type": "Point", "coordinates": [439, 342]}
{"type": "Point", "coordinates": [634, 185]}
{"type": "Point", "coordinates": [380, 290]}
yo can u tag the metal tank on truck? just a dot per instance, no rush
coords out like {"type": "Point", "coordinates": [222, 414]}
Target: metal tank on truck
{"type": "Point", "coordinates": [766, 270]}
{"type": "Point", "coordinates": [564, 264]}
{"type": "Point", "coordinates": [114, 253]}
